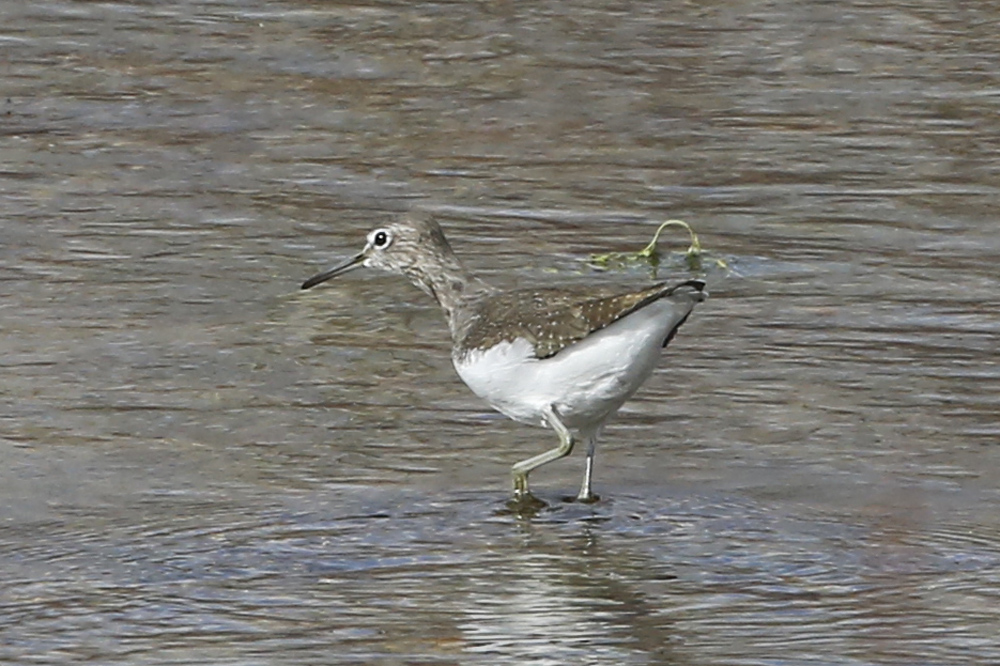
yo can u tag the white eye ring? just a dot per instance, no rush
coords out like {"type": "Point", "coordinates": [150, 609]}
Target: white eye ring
{"type": "Point", "coordinates": [381, 239]}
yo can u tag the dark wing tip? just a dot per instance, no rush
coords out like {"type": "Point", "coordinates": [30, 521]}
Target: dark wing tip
{"type": "Point", "coordinates": [697, 285]}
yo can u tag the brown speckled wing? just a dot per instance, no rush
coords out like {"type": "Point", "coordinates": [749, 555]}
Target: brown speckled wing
{"type": "Point", "coordinates": [551, 319]}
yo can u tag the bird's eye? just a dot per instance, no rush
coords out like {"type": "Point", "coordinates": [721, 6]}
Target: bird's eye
{"type": "Point", "coordinates": [381, 238]}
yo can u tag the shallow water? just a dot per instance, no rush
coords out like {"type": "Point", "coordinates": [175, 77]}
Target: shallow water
{"type": "Point", "coordinates": [202, 464]}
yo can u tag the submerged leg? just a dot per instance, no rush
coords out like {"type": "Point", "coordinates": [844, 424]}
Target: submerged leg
{"type": "Point", "coordinates": [521, 470]}
{"type": "Point", "coordinates": [586, 494]}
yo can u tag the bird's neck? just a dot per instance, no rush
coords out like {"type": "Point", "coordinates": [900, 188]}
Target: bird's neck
{"type": "Point", "coordinates": [451, 284]}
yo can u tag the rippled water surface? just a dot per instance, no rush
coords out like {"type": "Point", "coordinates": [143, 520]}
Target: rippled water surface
{"type": "Point", "coordinates": [200, 463]}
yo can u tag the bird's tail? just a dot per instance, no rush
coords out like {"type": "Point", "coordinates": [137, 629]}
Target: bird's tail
{"type": "Point", "coordinates": [693, 289]}
{"type": "Point", "coordinates": [688, 294]}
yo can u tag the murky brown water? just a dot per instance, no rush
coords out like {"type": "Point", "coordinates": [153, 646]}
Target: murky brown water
{"type": "Point", "coordinates": [200, 464]}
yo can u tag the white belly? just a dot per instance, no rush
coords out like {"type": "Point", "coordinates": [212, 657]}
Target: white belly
{"type": "Point", "coordinates": [587, 381]}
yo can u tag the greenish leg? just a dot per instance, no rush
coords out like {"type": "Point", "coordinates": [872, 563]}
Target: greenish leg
{"type": "Point", "coordinates": [521, 470]}
{"type": "Point", "coordinates": [586, 494]}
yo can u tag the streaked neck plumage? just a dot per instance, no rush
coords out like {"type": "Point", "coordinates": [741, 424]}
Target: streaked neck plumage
{"type": "Point", "coordinates": [440, 273]}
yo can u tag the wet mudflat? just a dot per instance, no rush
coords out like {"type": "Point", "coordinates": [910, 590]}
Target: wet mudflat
{"type": "Point", "coordinates": [202, 464]}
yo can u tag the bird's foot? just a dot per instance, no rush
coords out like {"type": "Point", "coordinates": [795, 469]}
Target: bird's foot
{"type": "Point", "coordinates": [523, 505]}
